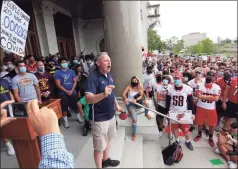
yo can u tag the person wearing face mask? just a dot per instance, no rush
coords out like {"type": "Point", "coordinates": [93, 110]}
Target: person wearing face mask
{"type": "Point", "coordinates": [25, 85]}
{"type": "Point", "coordinates": [230, 102]}
{"type": "Point", "coordinates": [51, 68]}
{"type": "Point", "coordinates": [31, 66]}
{"type": "Point", "coordinates": [74, 63]}
{"type": "Point", "coordinates": [66, 82]}
{"type": "Point", "coordinates": [132, 90]}
{"type": "Point", "coordinates": [89, 66]}
{"type": "Point", "coordinates": [162, 91]}
{"type": "Point", "coordinates": [179, 98]}
{"type": "Point", "coordinates": [148, 77]}
{"type": "Point", "coordinates": [187, 77]}
{"type": "Point", "coordinates": [46, 82]}
{"type": "Point", "coordinates": [222, 82]}
{"type": "Point", "coordinates": [194, 85]}
{"type": "Point", "coordinates": [208, 94]}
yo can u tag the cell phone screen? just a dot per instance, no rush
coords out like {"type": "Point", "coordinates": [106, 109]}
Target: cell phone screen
{"type": "Point", "coordinates": [18, 110]}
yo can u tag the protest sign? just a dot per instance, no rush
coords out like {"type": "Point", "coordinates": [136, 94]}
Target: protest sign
{"type": "Point", "coordinates": [13, 28]}
{"type": "Point", "coordinates": [184, 117]}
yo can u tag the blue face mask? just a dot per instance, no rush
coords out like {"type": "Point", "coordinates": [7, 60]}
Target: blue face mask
{"type": "Point", "coordinates": [177, 82]}
{"type": "Point", "coordinates": [64, 65]}
{"type": "Point", "coordinates": [165, 82]}
{"type": "Point", "coordinates": [75, 61]}
{"type": "Point", "coordinates": [219, 74]}
{"type": "Point", "coordinates": [41, 69]}
{"type": "Point", "coordinates": [22, 69]}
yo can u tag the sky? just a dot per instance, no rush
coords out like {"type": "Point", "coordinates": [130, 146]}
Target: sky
{"type": "Point", "coordinates": [216, 18]}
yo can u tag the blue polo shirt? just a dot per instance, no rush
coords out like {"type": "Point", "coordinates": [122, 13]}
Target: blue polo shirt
{"type": "Point", "coordinates": [105, 109]}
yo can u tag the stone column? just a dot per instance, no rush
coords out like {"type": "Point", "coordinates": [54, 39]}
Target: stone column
{"type": "Point", "coordinates": [122, 32]}
{"type": "Point", "coordinates": [48, 11]}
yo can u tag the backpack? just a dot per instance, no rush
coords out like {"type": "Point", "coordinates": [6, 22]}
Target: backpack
{"type": "Point", "coordinates": [172, 154]}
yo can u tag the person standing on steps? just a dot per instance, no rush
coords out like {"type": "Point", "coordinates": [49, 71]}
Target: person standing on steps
{"type": "Point", "coordinates": [101, 98]}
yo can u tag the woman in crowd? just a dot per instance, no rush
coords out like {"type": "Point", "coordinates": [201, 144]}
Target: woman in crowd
{"type": "Point", "coordinates": [132, 94]}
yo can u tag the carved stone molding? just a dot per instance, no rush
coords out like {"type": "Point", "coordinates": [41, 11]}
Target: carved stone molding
{"type": "Point", "coordinates": [49, 8]}
{"type": "Point", "coordinates": [90, 24]}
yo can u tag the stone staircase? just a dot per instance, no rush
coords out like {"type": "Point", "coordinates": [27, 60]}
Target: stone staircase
{"type": "Point", "coordinates": [146, 151]}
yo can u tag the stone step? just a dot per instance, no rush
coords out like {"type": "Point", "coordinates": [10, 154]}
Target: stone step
{"type": "Point", "coordinates": [152, 155]}
{"type": "Point", "coordinates": [132, 153]}
{"type": "Point", "coordinates": [86, 160]}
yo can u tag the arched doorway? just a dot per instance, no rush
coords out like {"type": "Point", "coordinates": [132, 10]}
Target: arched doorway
{"type": "Point", "coordinates": [101, 45]}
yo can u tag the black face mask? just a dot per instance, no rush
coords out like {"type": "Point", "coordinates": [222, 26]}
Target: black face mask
{"type": "Point", "coordinates": [158, 79]}
{"type": "Point", "coordinates": [208, 80]}
{"type": "Point", "coordinates": [134, 84]}
{"type": "Point", "coordinates": [165, 73]}
{"type": "Point", "coordinates": [149, 71]}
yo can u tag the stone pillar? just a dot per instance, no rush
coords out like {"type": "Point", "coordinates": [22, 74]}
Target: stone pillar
{"type": "Point", "coordinates": [40, 25]}
{"type": "Point", "coordinates": [48, 11]}
{"type": "Point", "coordinates": [122, 32]}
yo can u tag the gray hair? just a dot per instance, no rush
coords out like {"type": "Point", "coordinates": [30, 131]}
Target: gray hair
{"type": "Point", "coordinates": [101, 54]}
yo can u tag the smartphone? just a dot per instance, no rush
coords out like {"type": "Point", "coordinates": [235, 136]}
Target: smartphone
{"type": "Point", "coordinates": [17, 110]}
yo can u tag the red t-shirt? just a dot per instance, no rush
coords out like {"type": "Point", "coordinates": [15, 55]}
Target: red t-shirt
{"type": "Point", "coordinates": [31, 68]}
{"type": "Point", "coordinates": [222, 84]}
{"type": "Point", "coordinates": [232, 95]}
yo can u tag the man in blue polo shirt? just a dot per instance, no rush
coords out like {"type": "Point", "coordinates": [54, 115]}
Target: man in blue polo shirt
{"type": "Point", "coordinates": [101, 97]}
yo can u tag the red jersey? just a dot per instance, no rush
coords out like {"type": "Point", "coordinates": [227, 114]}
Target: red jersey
{"type": "Point", "coordinates": [232, 95]}
{"type": "Point", "coordinates": [31, 69]}
{"type": "Point", "coordinates": [222, 84]}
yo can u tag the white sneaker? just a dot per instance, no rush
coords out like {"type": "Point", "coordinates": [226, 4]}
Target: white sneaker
{"type": "Point", "coordinates": [11, 151]}
{"type": "Point", "coordinates": [217, 151]}
{"type": "Point", "coordinates": [160, 133]}
{"type": "Point", "coordinates": [79, 118]}
{"type": "Point", "coordinates": [66, 124]}
{"type": "Point", "coordinates": [231, 164]}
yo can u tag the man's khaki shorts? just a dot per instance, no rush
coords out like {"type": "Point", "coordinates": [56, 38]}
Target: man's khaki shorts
{"type": "Point", "coordinates": [102, 132]}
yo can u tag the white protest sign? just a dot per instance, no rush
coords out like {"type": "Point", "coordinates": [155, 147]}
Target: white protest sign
{"type": "Point", "coordinates": [13, 28]}
{"type": "Point", "coordinates": [184, 117]}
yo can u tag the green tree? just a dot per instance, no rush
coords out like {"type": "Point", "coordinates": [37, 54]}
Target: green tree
{"type": "Point", "coordinates": [207, 46]}
{"type": "Point", "coordinates": [226, 41]}
{"type": "Point", "coordinates": [154, 41]}
{"type": "Point", "coordinates": [178, 46]}
{"type": "Point", "coordinates": [235, 41]}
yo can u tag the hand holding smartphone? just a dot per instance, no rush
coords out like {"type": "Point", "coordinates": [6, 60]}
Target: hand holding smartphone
{"type": "Point", "coordinates": [17, 110]}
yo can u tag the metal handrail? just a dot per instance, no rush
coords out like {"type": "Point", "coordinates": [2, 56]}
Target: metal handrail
{"type": "Point", "coordinates": [142, 106]}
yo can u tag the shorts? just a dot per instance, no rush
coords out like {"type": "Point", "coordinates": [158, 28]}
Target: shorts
{"type": "Point", "coordinates": [183, 127]}
{"type": "Point", "coordinates": [206, 114]}
{"type": "Point", "coordinates": [232, 110]}
{"type": "Point", "coordinates": [162, 110]}
{"type": "Point", "coordinates": [102, 132]}
{"type": "Point", "coordinates": [69, 101]}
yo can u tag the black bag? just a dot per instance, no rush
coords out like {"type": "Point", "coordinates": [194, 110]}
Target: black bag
{"type": "Point", "coordinates": [172, 154]}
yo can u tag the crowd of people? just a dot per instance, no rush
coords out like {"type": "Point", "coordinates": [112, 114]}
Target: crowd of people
{"type": "Point", "coordinates": [85, 85]}
{"type": "Point", "coordinates": [207, 88]}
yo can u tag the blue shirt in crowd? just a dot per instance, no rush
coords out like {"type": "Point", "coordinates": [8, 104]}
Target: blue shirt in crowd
{"type": "Point", "coordinates": [66, 79]}
{"type": "Point", "coordinates": [105, 109]}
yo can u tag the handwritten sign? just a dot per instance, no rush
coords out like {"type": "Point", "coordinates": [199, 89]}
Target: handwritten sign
{"type": "Point", "coordinates": [184, 117]}
{"type": "Point", "coordinates": [13, 28]}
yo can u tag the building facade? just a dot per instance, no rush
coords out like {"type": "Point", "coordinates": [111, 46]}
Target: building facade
{"type": "Point", "coordinates": [74, 27]}
{"type": "Point", "coordinates": [193, 38]}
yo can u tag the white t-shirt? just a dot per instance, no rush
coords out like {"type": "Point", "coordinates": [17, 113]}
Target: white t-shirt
{"type": "Point", "coordinates": [194, 85]}
{"type": "Point", "coordinates": [147, 80]}
{"type": "Point", "coordinates": [179, 97]}
{"type": "Point", "coordinates": [215, 90]}
{"type": "Point", "coordinates": [163, 91]}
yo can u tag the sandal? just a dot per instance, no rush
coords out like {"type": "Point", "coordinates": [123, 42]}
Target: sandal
{"type": "Point", "coordinates": [148, 116]}
{"type": "Point", "coordinates": [133, 137]}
